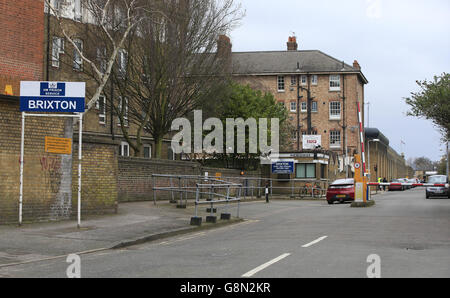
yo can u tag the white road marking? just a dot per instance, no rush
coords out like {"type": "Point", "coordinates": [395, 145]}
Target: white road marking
{"type": "Point", "coordinates": [314, 242]}
{"type": "Point", "coordinates": [265, 265]}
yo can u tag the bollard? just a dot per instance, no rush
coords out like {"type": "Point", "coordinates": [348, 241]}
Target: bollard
{"type": "Point", "coordinates": [196, 221]}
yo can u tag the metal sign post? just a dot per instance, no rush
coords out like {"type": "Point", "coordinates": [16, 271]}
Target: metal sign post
{"type": "Point", "coordinates": [51, 97]}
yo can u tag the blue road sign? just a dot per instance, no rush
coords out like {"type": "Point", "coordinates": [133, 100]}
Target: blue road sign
{"type": "Point", "coordinates": [52, 97]}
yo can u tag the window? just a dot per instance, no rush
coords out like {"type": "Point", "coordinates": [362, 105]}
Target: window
{"type": "Point", "coordinates": [77, 11]}
{"type": "Point", "coordinates": [293, 106]}
{"type": "Point", "coordinates": [123, 56]}
{"type": "Point", "coordinates": [293, 80]}
{"type": "Point", "coordinates": [314, 106]}
{"type": "Point", "coordinates": [77, 61]}
{"type": "Point", "coordinates": [124, 149]}
{"type": "Point", "coordinates": [303, 79]}
{"type": "Point", "coordinates": [313, 132]}
{"type": "Point", "coordinates": [101, 59]}
{"type": "Point", "coordinates": [314, 79]}
{"type": "Point", "coordinates": [304, 106]}
{"type": "Point", "coordinates": [57, 48]}
{"type": "Point", "coordinates": [280, 84]}
{"type": "Point", "coordinates": [56, 6]}
{"type": "Point", "coordinates": [306, 170]}
{"type": "Point", "coordinates": [335, 139]}
{"type": "Point", "coordinates": [323, 171]}
{"type": "Point", "coordinates": [335, 82]}
{"type": "Point", "coordinates": [124, 102]}
{"type": "Point", "coordinates": [335, 110]}
{"type": "Point", "coordinates": [119, 18]}
{"type": "Point", "coordinates": [147, 151]}
{"type": "Point", "coordinates": [170, 153]}
{"type": "Point", "coordinates": [101, 107]}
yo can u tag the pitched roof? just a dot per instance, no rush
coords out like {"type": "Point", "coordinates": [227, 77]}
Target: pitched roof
{"type": "Point", "coordinates": [285, 62]}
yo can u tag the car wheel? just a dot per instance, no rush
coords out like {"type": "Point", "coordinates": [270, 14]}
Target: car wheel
{"type": "Point", "coordinates": [427, 196]}
{"type": "Point", "coordinates": [330, 202]}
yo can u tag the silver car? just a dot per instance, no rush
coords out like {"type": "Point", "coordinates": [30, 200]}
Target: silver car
{"type": "Point", "coordinates": [437, 191]}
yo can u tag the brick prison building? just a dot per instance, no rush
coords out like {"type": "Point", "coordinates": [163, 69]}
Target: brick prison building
{"type": "Point", "coordinates": [320, 93]}
{"type": "Point", "coordinates": [48, 177]}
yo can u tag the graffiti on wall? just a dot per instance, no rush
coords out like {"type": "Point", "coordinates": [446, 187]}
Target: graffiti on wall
{"type": "Point", "coordinates": [51, 170]}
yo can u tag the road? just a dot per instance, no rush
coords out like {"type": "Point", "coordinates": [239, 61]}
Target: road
{"type": "Point", "coordinates": [410, 234]}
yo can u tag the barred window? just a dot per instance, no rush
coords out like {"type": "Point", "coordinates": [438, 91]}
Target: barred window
{"type": "Point", "coordinates": [77, 60]}
{"type": "Point", "coordinates": [303, 79]}
{"type": "Point", "coordinates": [335, 82]}
{"type": "Point", "coordinates": [101, 107]}
{"type": "Point", "coordinates": [304, 106]}
{"type": "Point", "coordinates": [335, 139]}
{"type": "Point", "coordinates": [335, 110]}
{"type": "Point", "coordinates": [293, 106]}
{"type": "Point", "coordinates": [124, 149]}
{"type": "Point", "coordinates": [101, 59]}
{"type": "Point", "coordinates": [77, 11]}
{"type": "Point", "coordinates": [280, 83]}
{"type": "Point", "coordinates": [123, 60]}
{"type": "Point", "coordinates": [124, 102]}
{"type": "Point", "coordinates": [293, 80]}
{"type": "Point", "coordinates": [147, 151]}
{"type": "Point", "coordinates": [57, 48]}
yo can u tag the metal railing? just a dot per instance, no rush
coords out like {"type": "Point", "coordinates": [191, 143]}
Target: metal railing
{"type": "Point", "coordinates": [185, 186]}
{"type": "Point", "coordinates": [222, 198]}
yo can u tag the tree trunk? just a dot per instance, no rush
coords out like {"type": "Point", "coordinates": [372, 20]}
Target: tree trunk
{"type": "Point", "coordinates": [158, 147]}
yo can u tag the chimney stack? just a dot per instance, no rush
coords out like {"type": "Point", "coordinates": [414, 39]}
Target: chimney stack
{"type": "Point", "coordinates": [224, 46]}
{"type": "Point", "coordinates": [356, 65]}
{"type": "Point", "coordinates": [292, 43]}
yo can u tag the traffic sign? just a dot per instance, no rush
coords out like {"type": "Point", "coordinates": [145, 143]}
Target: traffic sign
{"type": "Point", "coordinates": [52, 97]}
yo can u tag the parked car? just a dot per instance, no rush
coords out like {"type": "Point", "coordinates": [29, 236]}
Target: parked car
{"type": "Point", "coordinates": [414, 181]}
{"type": "Point", "coordinates": [395, 186]}
{"type": "Point", "coordinates": [341, 190]}
{"type": "Point", "coordinates": [437, 191]}
{"type": "Point", "coordinates": [405, 180]}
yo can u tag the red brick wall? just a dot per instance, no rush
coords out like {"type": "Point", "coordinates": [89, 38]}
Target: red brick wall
{"type": "Point", "coordinates": [22, 42]}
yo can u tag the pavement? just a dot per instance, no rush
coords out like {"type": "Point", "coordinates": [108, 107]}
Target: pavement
{"type": "Point", "coordinates": [136, 222]}
{"type": "Point", "coordinates": [409, 234]}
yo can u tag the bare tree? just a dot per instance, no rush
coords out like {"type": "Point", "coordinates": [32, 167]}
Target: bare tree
{"type": "Point", "coordinates": [177, 60]}
{"type": "Point", "coordinates": [111, 21]}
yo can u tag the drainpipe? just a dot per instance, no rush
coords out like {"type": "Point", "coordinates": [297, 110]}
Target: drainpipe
{"type": "Point", "coordinates": [344, 126]}
{"type": "Point", "coordinates": [47, 67]}
{"type": "Point", "coordinates": [309, 104]}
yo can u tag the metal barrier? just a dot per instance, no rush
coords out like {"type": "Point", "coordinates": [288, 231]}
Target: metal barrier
{"type": "Point", "coordinates": [252, 187]}
{"type": "Point", "coordinates": [409, 184]}
{"type": "Point", "coordinates": [222, 198]}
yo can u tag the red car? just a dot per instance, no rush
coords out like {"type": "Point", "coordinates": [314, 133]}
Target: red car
{"type": "Point", "coordinates": [342, 190]}
{"type": "Point", "coordinates": [396, 184]}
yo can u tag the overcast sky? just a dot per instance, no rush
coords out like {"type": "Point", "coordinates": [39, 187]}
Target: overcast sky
{"type": "Point", "coordinates": [396, 42]}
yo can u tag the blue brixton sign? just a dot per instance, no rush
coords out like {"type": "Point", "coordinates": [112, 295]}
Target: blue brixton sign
{"type": "Point", "coordinates": [52, 97]}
